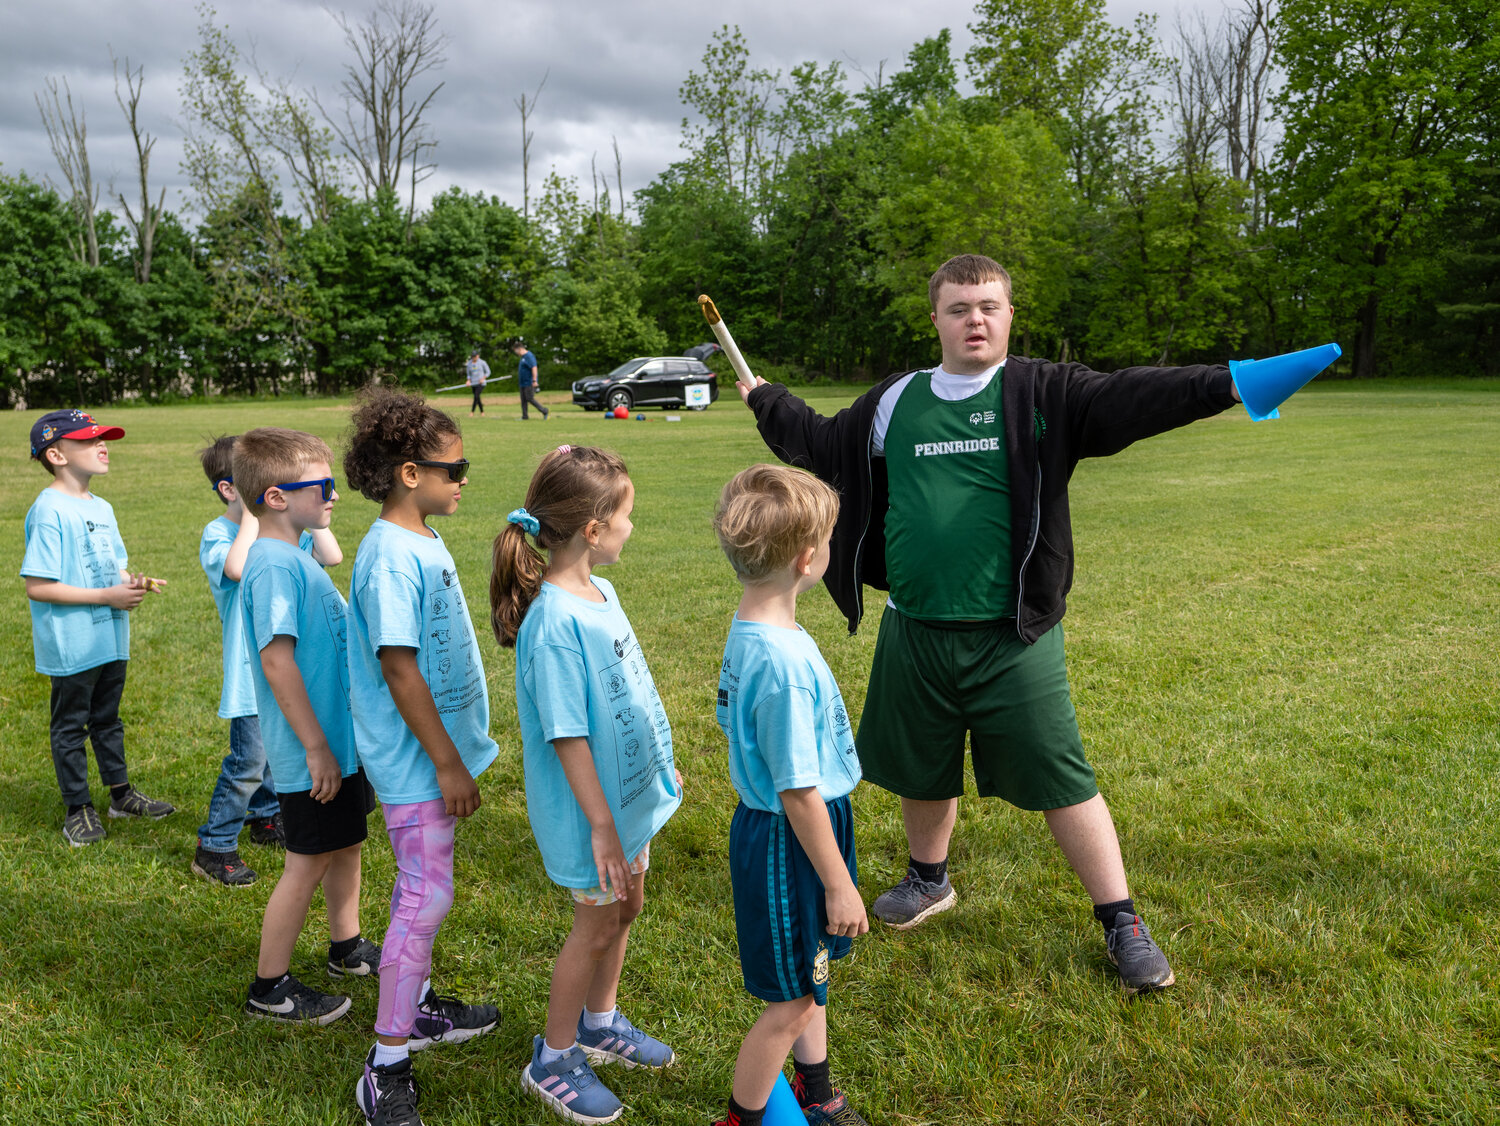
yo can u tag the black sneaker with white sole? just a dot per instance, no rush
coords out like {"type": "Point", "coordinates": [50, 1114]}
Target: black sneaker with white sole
{"type": "Point", "coordinates": [222, 868]}
{"type": "Point", "coordinates": [448, 1020]}
{"type": "Point", "coordinates": [388, 1095]}
{"type": "Point", "coordinates": [362, 961]}
{"type": "Point", "coordinates": [291, 1002]}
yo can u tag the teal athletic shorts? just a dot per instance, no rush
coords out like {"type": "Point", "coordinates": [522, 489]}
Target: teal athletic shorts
{"type": "Point", "coordinates": [931, 685]}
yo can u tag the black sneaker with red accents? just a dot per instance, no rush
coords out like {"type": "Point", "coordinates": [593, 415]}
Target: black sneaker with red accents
{"type": "Point", "coordinates": [1143, 967]}
{"type": "Point", "coordinates": [222, 868]}
{"type": "Point", "coordinates": [836, 1111]}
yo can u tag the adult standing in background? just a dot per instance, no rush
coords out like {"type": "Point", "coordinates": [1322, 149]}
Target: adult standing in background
{"type": "Point", "coordinates": [478, 374]}
{"type": "Point", "coordinates": [526, 377]}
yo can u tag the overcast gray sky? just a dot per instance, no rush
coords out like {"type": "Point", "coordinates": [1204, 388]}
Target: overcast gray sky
{"type": "Point", "coordinates": [614, 68]}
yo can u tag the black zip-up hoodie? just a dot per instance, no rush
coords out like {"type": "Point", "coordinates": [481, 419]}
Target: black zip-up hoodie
{"type": "Point", "coordinates": [1054, 416]}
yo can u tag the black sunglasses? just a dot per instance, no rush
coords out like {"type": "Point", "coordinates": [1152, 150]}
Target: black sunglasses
{"type": "Point", "coordinates": [324, 483]}
{"type": "Point", "coordinates": [457, 470]}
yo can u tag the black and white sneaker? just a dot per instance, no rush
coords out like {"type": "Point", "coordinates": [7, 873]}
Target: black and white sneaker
{"type": "Point", "coordinates": [388, 1095]}
{"type": "Point", "coordinates": [83, 827]}
{"type": "Point", "coordinates": [222, 868]}
{"type": "Point", "coordinates": [133, 803]}
{"type": "Point", "coordinates": [362, 961]}
{"type": "Point", "coordinates": [448, 1020]}
{"type": "Point", "coordinates": [291, 1002]}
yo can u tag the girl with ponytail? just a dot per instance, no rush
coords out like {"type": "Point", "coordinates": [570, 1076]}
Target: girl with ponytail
{"type": "Point", "coordinates": [600, 780]}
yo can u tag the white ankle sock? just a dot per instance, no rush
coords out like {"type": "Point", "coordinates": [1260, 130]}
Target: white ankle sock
{"type": "Point", "coordinates": [389, 1053]}
{"type": "Point", "coordinates": [594, 1021]}
{"type": "Point", "coordinates": [549, 1054]}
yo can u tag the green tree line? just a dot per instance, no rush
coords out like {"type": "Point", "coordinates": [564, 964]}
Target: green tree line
{"type": "Point", "coordinates": [1285, 174]}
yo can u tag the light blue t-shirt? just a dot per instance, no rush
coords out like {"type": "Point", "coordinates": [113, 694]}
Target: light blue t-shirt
{"type": "Point", "coordinates": [283, 592]}
{"type": "Point", "coordinates": [783, 716]}
{"type": "Point", "coordinates": [405, 592]}
{"type": "Point", "coordinates": [237, 698]}
{"type": "Point", "coordinates": [74, 540]}
{"type": "Point", "coordinates": [580, 672]}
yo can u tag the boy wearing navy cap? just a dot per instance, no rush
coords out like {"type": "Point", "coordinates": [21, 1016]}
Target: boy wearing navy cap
{"type": "Point", "coordinates": [81, 594]}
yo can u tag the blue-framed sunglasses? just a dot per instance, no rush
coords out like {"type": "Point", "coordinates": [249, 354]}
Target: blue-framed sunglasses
{"type": "Point", "coordinates": [324, 483]}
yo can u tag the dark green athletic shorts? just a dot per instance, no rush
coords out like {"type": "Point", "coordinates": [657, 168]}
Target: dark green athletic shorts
{"type": "Point", "coordinates": [931, 685]}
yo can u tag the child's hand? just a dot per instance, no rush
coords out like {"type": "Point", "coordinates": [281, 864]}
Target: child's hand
{"type": "Point", "coordinates": [609, 858]}
{"type": "Point", "coordinates": [123, 596]}
{"type": "Point", "coordinates": [326, 776]}
{"type": "Point", "coordinates": [846, 911]}
{"type": "Point", "coordinates": [460, 791]}
{"type": "Point", "coordinates": [679, 780]}
{"type": "Point", "coordinates": [147, 583]}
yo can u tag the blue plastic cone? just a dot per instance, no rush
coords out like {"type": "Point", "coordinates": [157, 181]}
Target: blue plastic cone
{"type": "Point", "coordinates": [1265, 384]}
{"type": "Point", "coordinates": [783, 1110]}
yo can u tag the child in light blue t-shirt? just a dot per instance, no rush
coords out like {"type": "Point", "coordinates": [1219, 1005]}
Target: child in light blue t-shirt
{"type": "Point", "coordinates": [244, 793]}
{"type": "Point", "coordinates": [600, 779]}
{"type": "Point", "coordinates": [421, 717]}
{"type": "Point", "coordinates": [81, 596]}
{"type": "Point", "coordinates": [792, 760]}
{"type": "Point", "coordinates": [296, 624]}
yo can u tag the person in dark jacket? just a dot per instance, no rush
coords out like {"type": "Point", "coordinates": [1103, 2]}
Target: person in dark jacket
{"type": "Point", "coordinates": [954, 486]}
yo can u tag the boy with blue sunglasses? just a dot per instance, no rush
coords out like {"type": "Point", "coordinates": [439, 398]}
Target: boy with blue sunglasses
{"type": "Point", "coordinates": [294, 620]}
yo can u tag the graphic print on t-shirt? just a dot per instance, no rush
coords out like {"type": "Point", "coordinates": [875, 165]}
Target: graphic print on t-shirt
{"type": "Point", "coordinates": [455, 678]}
{"type": "Point", "coordinates": [338, 628]}
{"type": "Point", "coordinates": [643, 746]}
{"type": "Point", "coordinates": [96, 547]}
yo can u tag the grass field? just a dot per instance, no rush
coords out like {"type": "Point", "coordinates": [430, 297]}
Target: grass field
{"type": "Point", "coordinates": [1284, 643]}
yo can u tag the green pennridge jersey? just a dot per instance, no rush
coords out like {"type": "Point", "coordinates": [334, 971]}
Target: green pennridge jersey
{"type": "Point", "coordinates": [948, 528]}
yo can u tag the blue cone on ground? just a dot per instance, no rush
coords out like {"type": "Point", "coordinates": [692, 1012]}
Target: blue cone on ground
{"type": "Point", "coordinates": [783, 1110]}
{"type": "Point", "coordinates": [1265, 384]}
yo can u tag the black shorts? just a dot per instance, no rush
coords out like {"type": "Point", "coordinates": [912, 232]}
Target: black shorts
{"type": "Point", "coordinates": [314, 827]}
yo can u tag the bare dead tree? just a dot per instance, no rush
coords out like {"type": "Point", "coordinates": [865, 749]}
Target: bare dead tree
{"type": "Point", "coordinates": [382, 130]}
{"type": "Point", "coordinates": [304, 145]}
{"type": "Point", "coordinates": [527, 109]}
{"type": "Point", "coordinates": [143, 227]}
{"type": "Point", "coordinates": [598, 212]}
{"type": "Point", "coordinates": [619, 175]}
{"type": "Point", "coordinates": [1231, 65]}
{"type": "Point", "coordinates": [67, 133]}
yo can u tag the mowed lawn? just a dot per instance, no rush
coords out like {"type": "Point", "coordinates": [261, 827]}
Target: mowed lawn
{"type": "Point", "coordinates": [1284, 643]}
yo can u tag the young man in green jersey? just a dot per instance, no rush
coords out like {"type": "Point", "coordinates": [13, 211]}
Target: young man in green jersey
{"type": "Point", "coordinates": [954, 499]}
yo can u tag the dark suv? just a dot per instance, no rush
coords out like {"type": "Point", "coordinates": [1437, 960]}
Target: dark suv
{"type": "Point", "coordinates": [649, 381]}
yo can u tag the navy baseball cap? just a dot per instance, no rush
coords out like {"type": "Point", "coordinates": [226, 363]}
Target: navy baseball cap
{"type": "Point", "coordinates": [55, 425]}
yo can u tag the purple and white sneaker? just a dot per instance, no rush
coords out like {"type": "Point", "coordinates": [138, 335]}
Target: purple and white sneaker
{"type": "Point", "coordinates": [388, 1095]}
{"type": "Point", "coordinates": [448, 1020]}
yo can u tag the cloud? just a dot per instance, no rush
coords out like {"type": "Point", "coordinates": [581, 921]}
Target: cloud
{"type": "Point", "coordinates": [613, 69]}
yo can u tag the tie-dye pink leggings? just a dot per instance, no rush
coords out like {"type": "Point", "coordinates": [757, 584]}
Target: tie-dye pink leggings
{"type": "Point", "coordinates": [422, 838]}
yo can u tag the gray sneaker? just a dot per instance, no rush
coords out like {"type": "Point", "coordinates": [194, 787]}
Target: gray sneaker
{"type": "Point", "coordinates": [136, 804]}
{"type": "Point", "coordinates": [913, 900]}
{"type": "Point", "coordinates": [1143, 967]}
{"type": "Point", "coordinates": [83, 827]}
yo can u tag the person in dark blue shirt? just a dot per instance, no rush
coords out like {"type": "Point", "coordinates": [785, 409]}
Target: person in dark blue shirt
{"type": "Point", "coordinates": [526, 377]}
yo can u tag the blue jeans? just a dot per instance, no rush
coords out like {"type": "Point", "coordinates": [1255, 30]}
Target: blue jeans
{"type": "Point", "coordinates": [244, 790]}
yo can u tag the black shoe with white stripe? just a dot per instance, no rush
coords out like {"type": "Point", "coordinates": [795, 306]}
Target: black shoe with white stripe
{"type": "Point", "coordinates": [291, 1002]}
